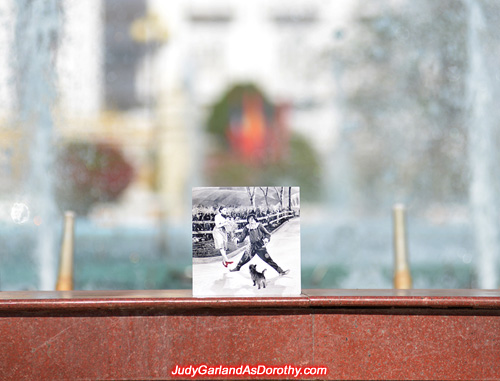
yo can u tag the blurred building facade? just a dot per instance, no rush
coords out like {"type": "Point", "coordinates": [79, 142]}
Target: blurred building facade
{"type": "Point", "coordinates": [384, 91]}
{"type": "Point", "coordinates": [143, 75]}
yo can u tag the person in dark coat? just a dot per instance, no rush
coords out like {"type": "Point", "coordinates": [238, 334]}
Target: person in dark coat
{"type": "Point", "coordinates": [259, 237]}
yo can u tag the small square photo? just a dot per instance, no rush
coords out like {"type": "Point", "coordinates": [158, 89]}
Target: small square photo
{"type": "Point", "coordinates": [246, 241]}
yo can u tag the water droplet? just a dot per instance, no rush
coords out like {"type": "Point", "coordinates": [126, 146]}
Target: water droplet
{"type": "Point", "coordinates": [467, 258]}
{"type": "Point", "coordinates": [19, 213]}
{"type": "Point", "coordinates": [339, 34]}
{"type": "Point", "coordinates": [37, 220]}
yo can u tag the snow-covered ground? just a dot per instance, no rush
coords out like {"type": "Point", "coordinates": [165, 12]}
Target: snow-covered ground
{"type": "Point", "coordinates": [213, 279]}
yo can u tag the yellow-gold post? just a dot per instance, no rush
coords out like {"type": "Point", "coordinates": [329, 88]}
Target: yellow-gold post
{"type": "Point", "coordinates": [402, 276]}
{"type": "Point", "coordinates": [65, 277]}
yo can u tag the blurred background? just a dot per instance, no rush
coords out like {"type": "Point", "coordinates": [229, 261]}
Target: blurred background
{"type": "Point", "coordinates": [117, 108]}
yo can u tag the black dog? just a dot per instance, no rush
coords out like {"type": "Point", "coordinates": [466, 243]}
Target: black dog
{"type": "Point", "coordinates": [258, 278]}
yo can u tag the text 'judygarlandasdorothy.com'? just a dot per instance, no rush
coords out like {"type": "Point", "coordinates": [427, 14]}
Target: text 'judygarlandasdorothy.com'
{"type": "Point", "coordinates": [221, 371]}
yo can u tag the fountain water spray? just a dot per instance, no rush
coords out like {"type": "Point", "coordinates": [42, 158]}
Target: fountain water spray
{"type": "Point", "coordinates": [482, 150]}
{"type": "Point", "coordinates": [36, 33]}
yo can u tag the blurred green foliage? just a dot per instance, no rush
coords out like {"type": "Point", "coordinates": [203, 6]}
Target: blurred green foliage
{"type": "Point", "coordinates": [299, 166]}
{"type": "Point", "coordinates": [88, 173]}
{"type": "Point", "coordinates": [219, 119]}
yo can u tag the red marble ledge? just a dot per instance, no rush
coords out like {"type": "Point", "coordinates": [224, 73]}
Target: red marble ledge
{"type": "Point", "coordinates": [354, 334]}
{"type": "Point", "coordinates": [183, 299]}
{"type": "Point", "coordinates": [423, 298]}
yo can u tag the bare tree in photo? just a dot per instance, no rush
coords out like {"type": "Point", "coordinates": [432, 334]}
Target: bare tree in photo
{"type": "Point", "coordinates": [251, 194]}
{"type": "Point", "coordinates": [265, 193]}
{"type": "Point", "coordinates": [279, 193]}
{"type": "Point", "coordinates": [289, 198]}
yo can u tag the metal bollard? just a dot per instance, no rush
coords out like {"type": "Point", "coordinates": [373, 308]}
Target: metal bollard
{"type": "Point", "coordinates": [402, 276]}
{"type": "Point", "coordinates": [65, 277]}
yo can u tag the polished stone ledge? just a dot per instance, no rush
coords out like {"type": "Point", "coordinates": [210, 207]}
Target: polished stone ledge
{"type": "Point", "coordinates": [183, 299]}
{"type": "Point", "coordinates": [355, 334]}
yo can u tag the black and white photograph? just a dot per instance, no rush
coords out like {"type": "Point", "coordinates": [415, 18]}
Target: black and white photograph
{"type": "Point", "coordinates": [246, 241]}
